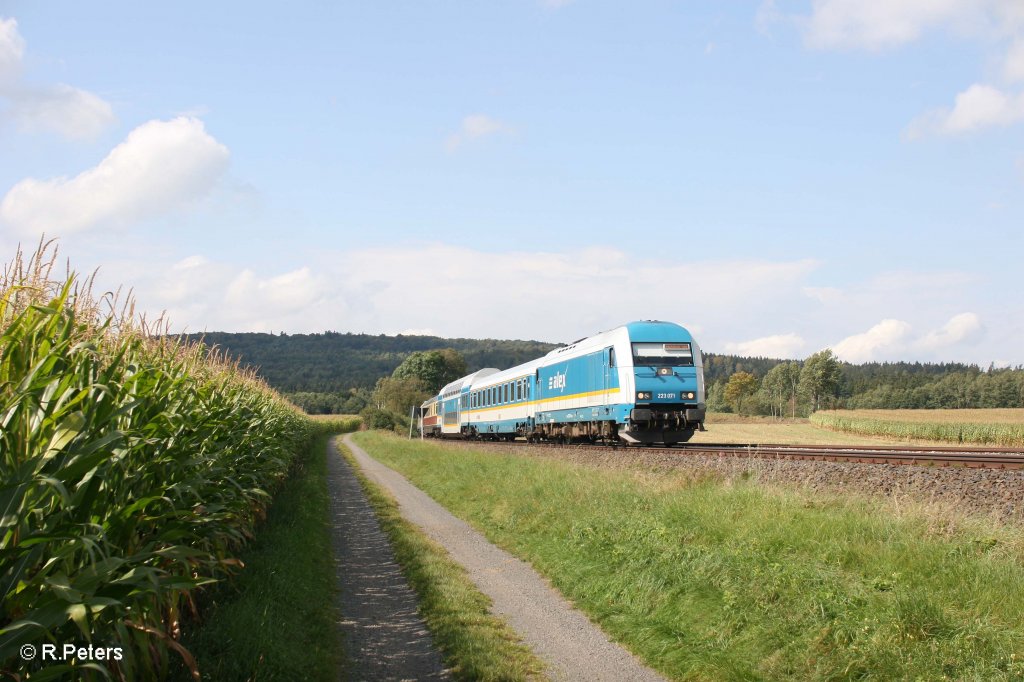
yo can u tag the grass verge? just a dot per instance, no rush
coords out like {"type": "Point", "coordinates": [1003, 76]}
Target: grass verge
{"type": "Point", "coordinates": [276, 619]}
{"type": "Point", "coordinates": [706, 578]}
{"type": "Point", "coordinates": [475, 645]}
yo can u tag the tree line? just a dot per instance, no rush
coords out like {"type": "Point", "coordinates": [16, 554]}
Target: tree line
{"type": "Point", "coordinates": [777, 387]}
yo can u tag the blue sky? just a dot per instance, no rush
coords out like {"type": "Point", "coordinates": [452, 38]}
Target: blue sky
{"type": "Point", "coordinates": [779, 177]}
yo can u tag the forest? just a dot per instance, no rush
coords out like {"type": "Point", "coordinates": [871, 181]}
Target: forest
{"type": "Point", "coordinates": [336, 373]}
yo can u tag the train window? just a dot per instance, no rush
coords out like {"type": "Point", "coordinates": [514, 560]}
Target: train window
{"type": "Point", "coordinates": [672, 354]}
{"type": "Point", "coordinates": [611, 357]}
{"type": "Point", "coordinates": [504, 393]}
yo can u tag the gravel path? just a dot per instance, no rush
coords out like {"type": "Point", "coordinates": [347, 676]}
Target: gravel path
{"type": "Point", "coordinates": [384, 637]}
{"type": "Point", "coordinates": [570, 645]}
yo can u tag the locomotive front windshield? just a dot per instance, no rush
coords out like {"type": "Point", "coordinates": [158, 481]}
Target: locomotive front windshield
{"type": "Point", "coordinates": [662, 354]}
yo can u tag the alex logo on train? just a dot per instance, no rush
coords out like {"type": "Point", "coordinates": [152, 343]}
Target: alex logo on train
{"type": "Point", "coordinates": [557, 382]}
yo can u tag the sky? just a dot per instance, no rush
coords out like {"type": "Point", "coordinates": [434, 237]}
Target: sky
{"type": "Point", "coordinates": [778, 177]}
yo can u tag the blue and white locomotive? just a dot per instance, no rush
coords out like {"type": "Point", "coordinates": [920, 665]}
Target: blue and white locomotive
{"type": "Point", "coordinates": [642, 382]}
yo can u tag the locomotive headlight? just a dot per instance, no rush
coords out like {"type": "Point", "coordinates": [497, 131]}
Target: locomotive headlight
{"type": "Point", "coordinates": [643, 395]}
{"type": "Point", "coordinates": [689, 396]}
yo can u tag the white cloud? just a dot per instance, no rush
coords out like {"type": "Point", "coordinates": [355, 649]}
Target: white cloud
{"type": "Point", "coordinates": [886, 337]}
{"type": "Point", "coordinates": [273, 295]}
{"type": "Point", "coordinates": [474, 127]}
{"type": "Point", "coordinates": [1013, 66]}
{"type": "Point", "coordinates": [72, 112]}
{"type": "Point", "coordinates": [826, 295]}
{"type": "Point", "coordinates": [160, 167]}
{"type": "Point", "coordinates": [565, 294]}
{"type": "Point", "coordinates": [779, 346]}
{"type": "Point", "coordinates": [12, 48]}
{"type": "Point", "coordinates": [544, 295]}
{"type": "Point", "coordinates": [965, 327]}
{"type": "Point", "coordinates": [878, 24]}
{"type": "Point", "coordinates": [882, 24]}
{"type": "Point", "coordinates": [456, 291]}
{"type": "Point", "coordinates": [892, 339]}
{"type": "Point", "coordinates": [980, 106]}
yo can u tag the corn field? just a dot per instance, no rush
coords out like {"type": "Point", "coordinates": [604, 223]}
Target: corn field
{"type": "Point", "coordinates": [132, 469]}
{"type": "Point", "coordinates": [1002, 427]}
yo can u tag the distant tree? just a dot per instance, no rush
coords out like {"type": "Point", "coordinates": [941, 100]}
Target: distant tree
{"type": "Point", "coordinates": [434, 368]}
{"type": "Point", "coordinates": [820, 376]}
{"type": "Point", "coordinates": [791, 377]}
{"type": "Point", "coordinates": [775, 389]}
{"type": "Point", "coordinates": [399, 394]}
{"type": "Point", "coordinates": [376, 418]}
{"type": "Point", "coordinates": [715, 398]}
{"type": "Point", "coordinates": [740, 386]}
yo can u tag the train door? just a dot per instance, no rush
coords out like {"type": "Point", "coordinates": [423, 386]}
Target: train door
{"type": "Point", "coordinates": [608, 370]}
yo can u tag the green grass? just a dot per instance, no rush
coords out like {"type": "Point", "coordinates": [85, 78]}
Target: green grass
{"type": "Point", "coordinates": [277, 620]}
{"type": "Point", "coordinates": [475, 645]}
{"type": "Point", "coordinates": [712, 579]}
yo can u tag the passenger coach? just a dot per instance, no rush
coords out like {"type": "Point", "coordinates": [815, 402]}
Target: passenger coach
{"type": "Point", "coordinates": [642, 382]}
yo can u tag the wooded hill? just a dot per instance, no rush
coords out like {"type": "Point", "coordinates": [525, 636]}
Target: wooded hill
{"type": "Point", "coordinates": [333, 362]}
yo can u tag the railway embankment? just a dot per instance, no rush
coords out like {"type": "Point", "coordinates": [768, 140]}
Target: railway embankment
{"type": "Point", "coordinates": [986, 492]}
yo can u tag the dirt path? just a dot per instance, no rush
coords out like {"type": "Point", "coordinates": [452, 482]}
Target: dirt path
{"type": "Point", "coordinates": [572, 647]}
{"type": "Point", "coordinates": [384, 637]}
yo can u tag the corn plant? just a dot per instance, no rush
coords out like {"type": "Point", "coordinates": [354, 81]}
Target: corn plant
{"type": "Point", "coordinates": [947, 426]}
{"type": "Point", "coordinates": [132, 469]}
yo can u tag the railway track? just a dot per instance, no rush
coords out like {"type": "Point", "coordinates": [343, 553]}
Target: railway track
{"type": "Point", "coordinates": [987, 457]}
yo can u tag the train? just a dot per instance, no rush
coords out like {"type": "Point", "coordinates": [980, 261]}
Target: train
{"type": "Point", "coordinates": [640, 383]}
